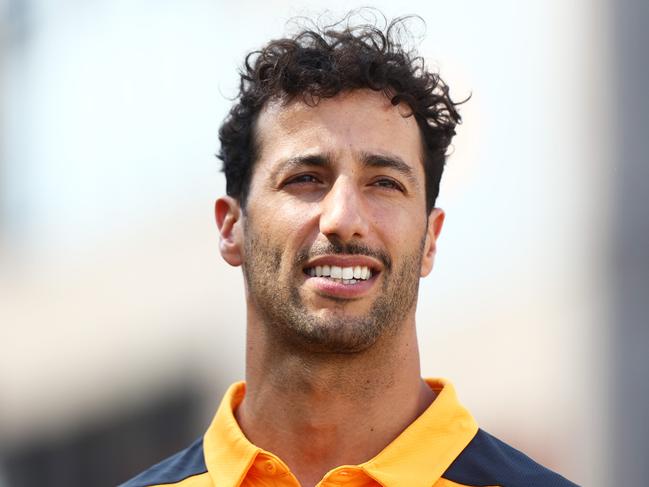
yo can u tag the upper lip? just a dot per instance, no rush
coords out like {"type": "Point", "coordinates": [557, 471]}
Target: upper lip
{"type": "Point", "coordinates": [345, 261]}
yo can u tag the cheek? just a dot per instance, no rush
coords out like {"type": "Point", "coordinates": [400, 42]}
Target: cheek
{"type": "Point", "coordinates": [399, 226]}
{"type": "Point", "coordinates": [293, 221]}
{"type": "Point", "coordinates": [284, 224]}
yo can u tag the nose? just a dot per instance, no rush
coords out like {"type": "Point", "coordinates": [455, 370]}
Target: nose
{"type": "Point", "coordinates": [343, 214]}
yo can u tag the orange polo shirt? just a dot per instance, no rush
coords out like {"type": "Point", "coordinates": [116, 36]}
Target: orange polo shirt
{"type": "Point", "coordinates": [235, 461]}
{"type": "Point", "coordinates": [442, 448]}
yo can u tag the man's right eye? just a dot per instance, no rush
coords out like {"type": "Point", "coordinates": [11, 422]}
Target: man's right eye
{"type": "Point", "coordinates": [302, 179]}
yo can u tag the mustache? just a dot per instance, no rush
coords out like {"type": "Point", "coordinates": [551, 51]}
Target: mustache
{"type": "Point", "coordinates": [334, 247]}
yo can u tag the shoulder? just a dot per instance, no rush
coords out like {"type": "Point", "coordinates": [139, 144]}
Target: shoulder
{"type": "Point", "coordinates": [184, 464]}
{"type": "Point", "coordinates": [488, 461]}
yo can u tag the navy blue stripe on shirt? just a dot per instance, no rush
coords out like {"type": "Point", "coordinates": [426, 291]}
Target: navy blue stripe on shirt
{"type": "Point", "coordinates": [186, 463]}
{"type": "Point", "coordinates": [488, 461]}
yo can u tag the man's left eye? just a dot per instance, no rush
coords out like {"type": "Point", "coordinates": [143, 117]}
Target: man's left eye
{"type": "Point", "coordinates": [388, 184]}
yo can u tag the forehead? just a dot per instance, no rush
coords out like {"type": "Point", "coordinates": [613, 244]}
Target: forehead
{"type": "Point", "coordinates": [360, 121]}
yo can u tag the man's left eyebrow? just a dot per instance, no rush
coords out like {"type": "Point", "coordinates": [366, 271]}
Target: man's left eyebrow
{"type": "Point", "coordinates": [390, 161]}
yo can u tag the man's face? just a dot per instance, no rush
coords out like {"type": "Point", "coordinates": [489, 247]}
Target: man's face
{"type": "Point", "coordinates": [335, 231]}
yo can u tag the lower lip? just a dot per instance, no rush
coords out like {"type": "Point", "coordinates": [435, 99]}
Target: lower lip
{"type": "Point", "coordinates": [330, 288]}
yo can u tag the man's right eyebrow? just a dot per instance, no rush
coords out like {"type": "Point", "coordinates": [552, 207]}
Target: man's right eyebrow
{"type": "Point", "coordinates": [297, 162]}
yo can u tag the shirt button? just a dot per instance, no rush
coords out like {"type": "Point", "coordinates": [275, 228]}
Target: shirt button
{"type": "Point", "coordinates": [270, 468]}
{"type": "Point", "coordinates": [342, 475]}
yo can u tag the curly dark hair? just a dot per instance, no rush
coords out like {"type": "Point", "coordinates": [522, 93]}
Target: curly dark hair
{"type": "Point", "coordinates": [322, 62]}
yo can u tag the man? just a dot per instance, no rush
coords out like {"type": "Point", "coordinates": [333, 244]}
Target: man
{"type": "Point", "coordinates": [333, 155]}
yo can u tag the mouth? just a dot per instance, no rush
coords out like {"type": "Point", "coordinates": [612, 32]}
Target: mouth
{"type": "Point", "coordinates": [342, 276]}
{"type": "Point", "coordinates": [348, 275]}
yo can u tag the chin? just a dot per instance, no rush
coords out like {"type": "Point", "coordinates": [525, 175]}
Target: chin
{"type": "Point", "coordinates": [334, 332]}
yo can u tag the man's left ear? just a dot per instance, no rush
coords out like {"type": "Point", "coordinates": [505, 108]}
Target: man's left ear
{"type": "Point", "coordinates": [435, 223]}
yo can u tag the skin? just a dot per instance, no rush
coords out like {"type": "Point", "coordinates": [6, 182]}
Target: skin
{"type": "Point", "coordinates": [332, 371]}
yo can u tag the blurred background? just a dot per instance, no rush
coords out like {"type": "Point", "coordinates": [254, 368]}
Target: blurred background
{"type": "Point", "coordinates": [120, 326]}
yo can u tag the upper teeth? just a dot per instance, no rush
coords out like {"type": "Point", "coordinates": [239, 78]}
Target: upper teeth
{"type": "Point", "coordinates": [358, 272]}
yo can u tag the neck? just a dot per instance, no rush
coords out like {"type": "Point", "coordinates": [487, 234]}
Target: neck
{"type": "Point", "coordinates": [320, 411]}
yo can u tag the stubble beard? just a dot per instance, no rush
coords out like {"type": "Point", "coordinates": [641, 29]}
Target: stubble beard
{"type": "Point", "coordinates": [287, 318]}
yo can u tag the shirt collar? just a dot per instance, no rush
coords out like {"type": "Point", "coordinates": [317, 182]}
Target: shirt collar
{"type": "Point", "coordinates": [424, 450]}
{"type": "Point", "coordinates": [417, 457]}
